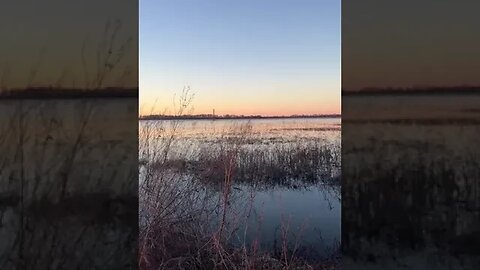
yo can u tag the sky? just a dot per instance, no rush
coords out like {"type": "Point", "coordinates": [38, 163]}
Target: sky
{"type": "Point", "coordinates": [45, 38]}
{"type": "Point", "coordinates": [267, 57]}
{"type": "Point", "coordinates": [410, 43]}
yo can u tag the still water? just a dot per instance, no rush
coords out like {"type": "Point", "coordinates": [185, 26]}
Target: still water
{"type": "Point", "coordinates": [306, 213]}
{"type": "Point", "coordinates": [309, 218]}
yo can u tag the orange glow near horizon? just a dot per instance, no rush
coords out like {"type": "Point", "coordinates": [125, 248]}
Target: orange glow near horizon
{"type": "Point", "coordinates": [269, 93]}
{"type": "Point", "coordinates": [265, 103]}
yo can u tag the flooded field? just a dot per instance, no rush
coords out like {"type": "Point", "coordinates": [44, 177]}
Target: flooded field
{"type": "Point", "coordinates": [68, 189]}
{"type": "Point", "coordinates": [264, 186]}
{"type": "Point", "coordinates": [410, 182]}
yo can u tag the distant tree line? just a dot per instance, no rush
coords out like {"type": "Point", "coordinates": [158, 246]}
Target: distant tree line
{"type": "Point", "coordinates": [54, 92]}
{"type": "Point", "coordinates": [414, 90]}
{"type": "Point", "coordinates": [228, 116]}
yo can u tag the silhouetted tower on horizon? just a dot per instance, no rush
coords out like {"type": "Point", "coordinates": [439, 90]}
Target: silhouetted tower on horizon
{"type": "Point", "coordinates": [213, 114]}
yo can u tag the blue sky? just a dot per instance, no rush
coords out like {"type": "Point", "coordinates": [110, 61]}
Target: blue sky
{"type": "Point", "coordinates": [249, 57]}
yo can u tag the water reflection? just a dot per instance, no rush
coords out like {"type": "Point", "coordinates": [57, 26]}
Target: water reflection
{"type": "Point", "coordinates": [285, 175]}
{"type": "Point", "coordinates": [312, 215]}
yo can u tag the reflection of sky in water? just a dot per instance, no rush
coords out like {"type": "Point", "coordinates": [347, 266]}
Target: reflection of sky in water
{"type": "Point", "coordinates": [411, 107]}
{"type": "Point", "coordinates": [288, 127]}
{"type": "Point", "coordinates": [312, 216]}
{"type": "Point", "coordinates": [191, 135]}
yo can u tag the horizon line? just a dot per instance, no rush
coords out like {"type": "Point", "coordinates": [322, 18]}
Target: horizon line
{"type": "Point", "coordinates": [234, 116]}
{"type": "Point", "coordinates": [413, 88]}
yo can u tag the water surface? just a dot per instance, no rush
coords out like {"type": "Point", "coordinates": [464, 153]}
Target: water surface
{"type": "Point", "coordinates": [306, 212]}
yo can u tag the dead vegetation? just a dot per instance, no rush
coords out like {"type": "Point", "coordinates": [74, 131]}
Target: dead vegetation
{"type": "Point", "coordinates": [186, 224]}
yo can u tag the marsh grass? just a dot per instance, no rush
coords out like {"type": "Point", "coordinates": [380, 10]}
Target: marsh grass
{"type": "Point", "coordinates": [187, 224]}
{"type": "Point", "coordinates": [50, 202]}
{"type": "Point", "coordinates": [422, 181]}
{"type": "Point", "coordinates": [293, 165]}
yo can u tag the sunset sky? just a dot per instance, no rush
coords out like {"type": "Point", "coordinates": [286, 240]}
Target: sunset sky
{"type": "Point", "coordinates": [410, 43]}
{"type": "Point", "coordinates": [266, 57]}
{"type": "Point", "coordinates": [46, 38]}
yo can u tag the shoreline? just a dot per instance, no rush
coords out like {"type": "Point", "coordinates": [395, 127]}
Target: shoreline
{"type": "Point", "coordinates": [47, 93]}
{"type": "Point", "coordinates": [195, 117]}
